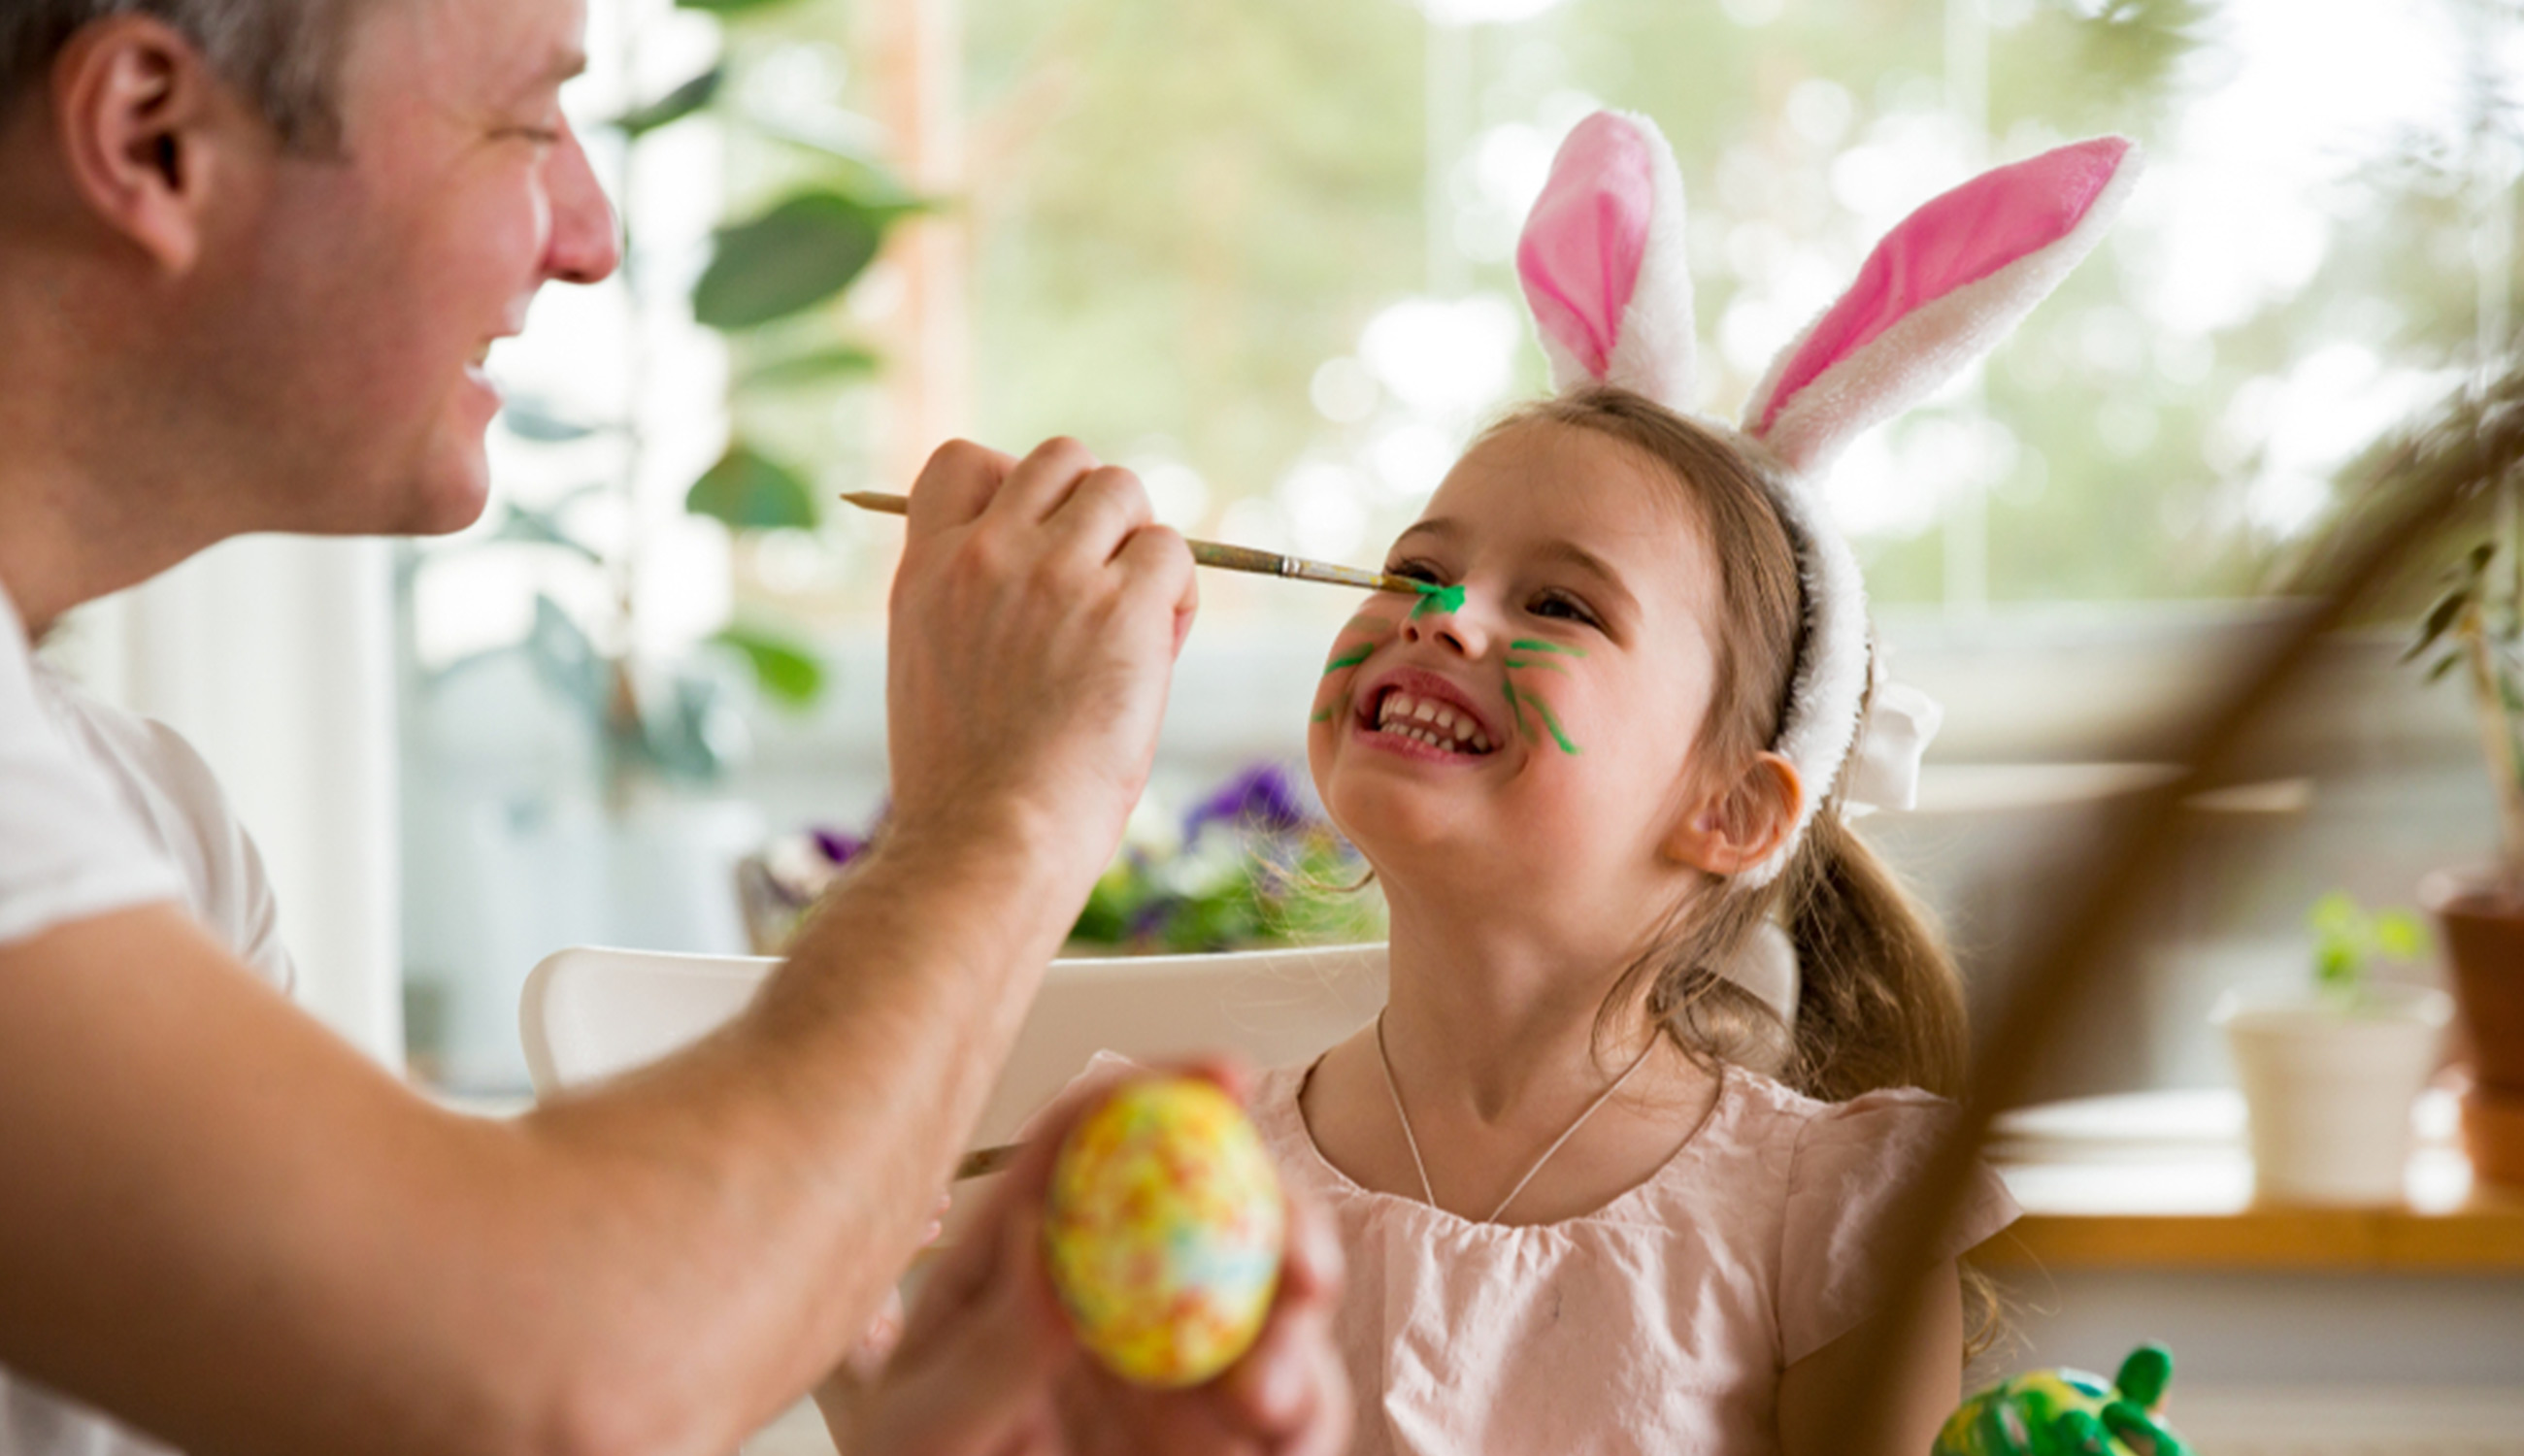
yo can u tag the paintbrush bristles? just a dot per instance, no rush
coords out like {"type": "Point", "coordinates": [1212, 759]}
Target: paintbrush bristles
{"type": "Point", "coordinates": [1212, 554]}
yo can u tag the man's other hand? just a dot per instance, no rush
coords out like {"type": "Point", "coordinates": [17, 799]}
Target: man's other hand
{"type": "Point", "coordinates": [989, 1366]}
{"type": "Point", "coordinates": [1035, 623]}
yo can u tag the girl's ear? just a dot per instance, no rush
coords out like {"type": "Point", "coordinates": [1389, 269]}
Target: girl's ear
{"type": "Point", "coordinates": [1743, 824]}
{"type": "Point", "coordinates": [1936, 293]}
{"type": "Point", "coordinates": [1602, 263]}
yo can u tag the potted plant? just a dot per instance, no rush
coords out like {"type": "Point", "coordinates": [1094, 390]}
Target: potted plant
{"type": "Point", "coordinates": [2330, 1069]}
{"type": "Point", "coordinates": [576, 772]}
{"type": "Point", "coordinates": [2476, 629]}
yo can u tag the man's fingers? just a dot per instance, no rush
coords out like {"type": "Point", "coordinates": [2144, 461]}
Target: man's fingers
{"type": "Point", "coordinates": [1157, 568]}
{"type": "Point", "coordinates": [956, 485]}
{"type": "Point", "coordinates": [1280, 1388]}
{"type": "Point", "coordinates": [1037, 485]}
{"type": "Point", "coordinates": [1099, 513]}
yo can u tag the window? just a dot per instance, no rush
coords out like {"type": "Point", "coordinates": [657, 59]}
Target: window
{"type": "Point", "coordinates": [1261, 253]}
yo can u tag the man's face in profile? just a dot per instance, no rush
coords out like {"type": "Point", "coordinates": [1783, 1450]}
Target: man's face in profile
{"type": "Point", "coordinates": [371, 284]}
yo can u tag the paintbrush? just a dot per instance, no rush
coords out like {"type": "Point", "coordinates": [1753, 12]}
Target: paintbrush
{"type": "Point", "coordinates": [1216, 553]}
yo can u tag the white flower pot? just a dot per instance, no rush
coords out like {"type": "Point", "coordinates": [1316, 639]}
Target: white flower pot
{"type": "Point", "coordinates": [2329, 1088]}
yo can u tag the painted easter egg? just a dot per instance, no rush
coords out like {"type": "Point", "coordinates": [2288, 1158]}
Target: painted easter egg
{"type": "Point", "coordinates": [1163, 1230]}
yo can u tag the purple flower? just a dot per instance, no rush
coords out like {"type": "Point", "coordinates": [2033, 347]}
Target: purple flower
{"type": "Point", "coordinates": [1260, 798]}
{"type": "Point", "coordinates": [836, 845]}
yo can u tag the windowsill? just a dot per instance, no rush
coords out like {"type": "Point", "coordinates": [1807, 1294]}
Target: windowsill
{"type": "Point", "coordinates": [2161, 1181]}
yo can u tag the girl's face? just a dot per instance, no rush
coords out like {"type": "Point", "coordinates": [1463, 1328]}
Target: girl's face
{"type": "Point", "coordinates": [1529, 721]}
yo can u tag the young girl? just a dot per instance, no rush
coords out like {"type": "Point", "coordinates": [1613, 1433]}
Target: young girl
{"type": "Point", "coordinates": [1596, 1194]}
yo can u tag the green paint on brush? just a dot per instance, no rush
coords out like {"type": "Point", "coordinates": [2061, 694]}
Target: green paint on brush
{"type": "Point", "coordinates": [1349, 659]}
{"type": "Point", "coordinates": [1434, 598]}
{"type": "Point", "coordinates": [1552, 723]}
{"type": "Point", "coordinates": [1529, 645]}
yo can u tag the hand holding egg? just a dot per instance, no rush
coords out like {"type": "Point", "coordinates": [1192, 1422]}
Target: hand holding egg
{"type": "Point", "coordinates": [1163, 1230]}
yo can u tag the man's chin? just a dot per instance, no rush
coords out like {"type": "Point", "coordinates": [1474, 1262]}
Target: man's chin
{"type": "Point", "coordinates": [446, 498]}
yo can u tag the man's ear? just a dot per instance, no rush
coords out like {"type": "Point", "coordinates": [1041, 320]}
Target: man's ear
{"type": "Point", "coordinates": [148, 132]}
{"type": "Point", "coordinates": [1739, 825]}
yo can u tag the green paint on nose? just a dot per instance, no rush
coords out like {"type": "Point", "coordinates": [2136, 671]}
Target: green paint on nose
{"type": "Point", "coordinates": [1434, 598]}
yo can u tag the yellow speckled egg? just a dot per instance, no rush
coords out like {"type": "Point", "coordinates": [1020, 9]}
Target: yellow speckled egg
{"type": "Point", "coordinates": [1164, 1231]}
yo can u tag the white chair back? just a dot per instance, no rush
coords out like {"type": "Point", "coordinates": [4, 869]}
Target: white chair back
{"type": "Point", "coordinates": [590, 1013]}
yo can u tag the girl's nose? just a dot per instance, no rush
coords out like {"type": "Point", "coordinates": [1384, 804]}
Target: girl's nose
{"type": "Point", "coordinates": [1449, 621]}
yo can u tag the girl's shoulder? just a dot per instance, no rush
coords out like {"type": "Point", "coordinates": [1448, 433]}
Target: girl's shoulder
{"type": "Point", "coordinates": [1767, 1113]}
{"type": "Point", "coordinates": [1840, 1171]}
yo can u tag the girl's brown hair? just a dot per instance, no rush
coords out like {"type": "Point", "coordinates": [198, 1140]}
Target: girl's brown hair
{"type": "Point", "coordinates": [1880, 1003]}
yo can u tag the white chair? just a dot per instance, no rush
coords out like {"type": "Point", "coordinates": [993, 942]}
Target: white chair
{"type": "Point", "coordinates": [590, 1014]}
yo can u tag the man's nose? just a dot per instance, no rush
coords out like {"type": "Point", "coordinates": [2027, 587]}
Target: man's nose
{"type": "Point", "coordinates": [585, 246]}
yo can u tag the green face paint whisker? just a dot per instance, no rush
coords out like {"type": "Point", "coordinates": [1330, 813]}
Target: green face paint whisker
{"type": "Point", "coordinates": [1516, 705]}
{"type": "Point", "coordinates": [1348, 660]}
{"type": "Point", "coordinates": [1516, 665]}
{"type": "Point", "coordinates": [1552, 723]}
{"type": "Point", "coordinates": [1532, 646]}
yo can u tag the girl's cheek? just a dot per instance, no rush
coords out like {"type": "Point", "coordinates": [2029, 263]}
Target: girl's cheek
{"type": "Point", "coordinates": [1358, 641]}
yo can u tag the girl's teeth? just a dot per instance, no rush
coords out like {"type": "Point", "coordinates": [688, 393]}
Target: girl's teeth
{"type": "Point", "coordinates": [1424, 711]}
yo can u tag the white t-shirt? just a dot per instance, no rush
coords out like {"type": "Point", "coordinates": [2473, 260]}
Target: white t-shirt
{"type": "Point", "coordinates": [101, 810]}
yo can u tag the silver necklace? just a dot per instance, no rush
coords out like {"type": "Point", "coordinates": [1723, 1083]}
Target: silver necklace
{"type": "Point", "coordinates": [1427, 1193]}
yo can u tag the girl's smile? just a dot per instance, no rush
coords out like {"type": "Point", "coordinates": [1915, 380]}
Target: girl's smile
{"type": "Point", "coordinates": [1419, 715]}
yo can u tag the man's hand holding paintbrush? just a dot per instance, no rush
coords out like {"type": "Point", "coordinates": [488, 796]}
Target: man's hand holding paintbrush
{"type": "Point", "coordinates": [1048, 721]}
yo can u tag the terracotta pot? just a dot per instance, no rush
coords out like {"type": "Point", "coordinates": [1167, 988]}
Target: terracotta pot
{"type": "Point", "coordinates": [2492, 1136]}
{"type": "Point", "coordinates": [2484, 936]}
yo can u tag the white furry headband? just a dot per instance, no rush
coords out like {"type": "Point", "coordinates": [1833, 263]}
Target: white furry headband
{"type": "Point", "coordinates": [1604, 271]}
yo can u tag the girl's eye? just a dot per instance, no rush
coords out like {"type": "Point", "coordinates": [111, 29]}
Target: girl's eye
{"type": "Point", "coordinates": [1565, 606]}
{"type": "Point", "coordinates": [1417, 570]}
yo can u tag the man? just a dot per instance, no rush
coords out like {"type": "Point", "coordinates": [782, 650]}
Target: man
{"type": "Point", "coordinates": [252, 255]}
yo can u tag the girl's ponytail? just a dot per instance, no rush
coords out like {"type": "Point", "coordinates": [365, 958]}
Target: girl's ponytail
{"type": "Point", "coordinates": [1881, 1003]}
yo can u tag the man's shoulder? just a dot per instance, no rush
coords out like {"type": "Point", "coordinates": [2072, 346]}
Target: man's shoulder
{"type": "Point", "coordinates": [172, 793]}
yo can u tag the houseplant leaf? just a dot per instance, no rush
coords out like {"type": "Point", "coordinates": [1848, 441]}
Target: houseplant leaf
{"type": "Point", "coordinates": [530, 419]}
{"type": "Point", "coordinates": [789, 673]}
{"type": "Point", "coordinates": [2440, 617]}
{"type": "Point", "coordinates": [814, 367]}
{"type": "Point", "coordinates": [674, 105]}
{"type": "Point", "coordinates": [802, 251]}
{"type": "Point", "coordinates": [542, 528]}
{"type": "Point", "coordinates": [751, 491]}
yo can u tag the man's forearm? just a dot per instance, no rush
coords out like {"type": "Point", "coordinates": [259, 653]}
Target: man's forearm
{"type": "Point", "coordinates": [797, 1153]}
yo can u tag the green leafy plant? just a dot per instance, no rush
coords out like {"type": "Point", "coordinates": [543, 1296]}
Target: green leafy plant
{"type": "Point", "coordinates": [771, 286]}
{"type": "Point", "coordinates": [2477, 628]}
{"type": "Point", "coordinates": [2347, 937]}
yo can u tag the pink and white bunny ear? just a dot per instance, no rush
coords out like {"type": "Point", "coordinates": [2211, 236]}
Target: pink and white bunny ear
{"type": "Point", "coordinates": [1938, 291]}
{"type": "Point", "coordinates": [1603, 267]}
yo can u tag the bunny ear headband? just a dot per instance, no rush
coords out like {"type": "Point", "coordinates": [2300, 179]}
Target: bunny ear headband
{"type": "Point", "coordinates": [1603, 268]}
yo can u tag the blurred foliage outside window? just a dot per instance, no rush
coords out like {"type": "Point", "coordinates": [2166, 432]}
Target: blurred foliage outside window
{"type": "Point", "coordinates": [1262, 253]}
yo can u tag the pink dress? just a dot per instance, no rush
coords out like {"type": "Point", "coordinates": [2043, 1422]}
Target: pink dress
{"type": "Point", "coordinates": [1659, 1323]}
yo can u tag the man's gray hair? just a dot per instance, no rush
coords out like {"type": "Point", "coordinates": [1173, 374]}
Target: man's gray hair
{"type": "Point", "coordinates": [280, 54]}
